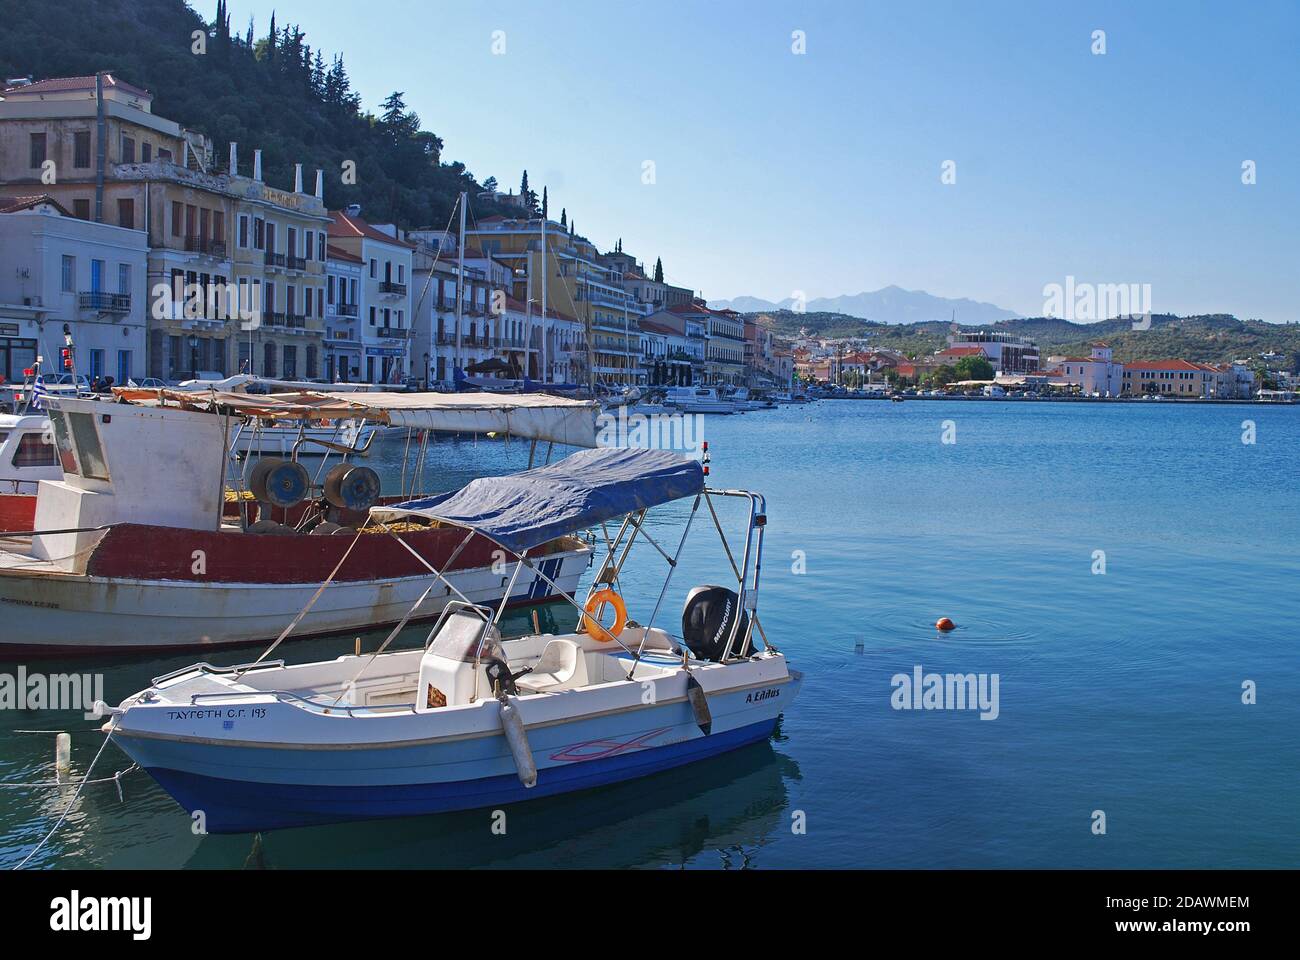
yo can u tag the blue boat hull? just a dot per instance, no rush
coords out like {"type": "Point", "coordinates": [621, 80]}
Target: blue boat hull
{"type": "Point", "coordinates": [235, 806]}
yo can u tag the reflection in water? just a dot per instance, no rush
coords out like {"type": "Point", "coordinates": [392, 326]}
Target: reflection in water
{"type": "Point", "coordinates": [731, 804]}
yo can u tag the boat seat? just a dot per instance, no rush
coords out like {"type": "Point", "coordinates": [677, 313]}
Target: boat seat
{"type": "Point", "coordinates": [562, 666]}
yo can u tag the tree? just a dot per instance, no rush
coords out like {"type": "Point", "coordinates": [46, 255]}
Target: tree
{"type": "Point", "coordinates": [973, 368]}
{"type": "Point", "coordinates": [564, 217]}
{"type": "Point", "coordinates": [490, 185]}
{"type": "Point", "coordinates": [545, 205]}
{"type": "Point", "coordinates": [659, 270]}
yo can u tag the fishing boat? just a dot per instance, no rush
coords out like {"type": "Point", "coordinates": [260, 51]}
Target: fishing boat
{"type": "Point", "coordinates": [471, 720]}
{"type": "Point", "coordinates": [155, 538]}
{"type": "Point", "coordinates": [697, 400]}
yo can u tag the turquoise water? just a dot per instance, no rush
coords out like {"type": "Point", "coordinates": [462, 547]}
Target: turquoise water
{"type": "Point", "coordinates": [1119, 692]}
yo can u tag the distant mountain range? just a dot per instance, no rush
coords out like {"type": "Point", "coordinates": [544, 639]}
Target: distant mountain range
{"type": "Point", "coordinates": [886, 305]}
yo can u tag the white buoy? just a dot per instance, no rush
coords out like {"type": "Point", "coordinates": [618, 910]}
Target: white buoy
{"type": "Point", "coordinates": [63, 752]}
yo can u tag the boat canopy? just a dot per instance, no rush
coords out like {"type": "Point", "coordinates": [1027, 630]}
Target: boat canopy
{"type": "Point", "coordinates": [536, 416]}
{"type": "Point", "coordinates": [525, 510]}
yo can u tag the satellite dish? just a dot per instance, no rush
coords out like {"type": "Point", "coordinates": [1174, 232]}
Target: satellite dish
{"type": "Point", "coordinates": [281, 483]}
{"type": "Point", "coordinates": [351, 487]}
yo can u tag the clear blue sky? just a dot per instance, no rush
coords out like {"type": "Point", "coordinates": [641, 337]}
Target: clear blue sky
{"type": "Point", "coordinates": [821, 172]}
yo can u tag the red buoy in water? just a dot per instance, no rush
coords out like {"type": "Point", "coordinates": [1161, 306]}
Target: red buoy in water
{"type": "Point", "coordinates": [945, 625]}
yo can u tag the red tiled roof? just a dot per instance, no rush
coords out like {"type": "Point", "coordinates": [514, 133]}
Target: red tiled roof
{"type": "Point", "coordinates": [338, 253]}
{"type": "Point", "coordinates": [1163, 365]}
{"type": "Point", "coordinates": [344, 226]}
{"type": "Point", "coordinates": [72, 84]}
{"type": "Point", "coordinates": [651, 327]}
{"type": "Point", "coordinates": [961, 352]}
{"type": "Point", "coordinates": [14, 204]}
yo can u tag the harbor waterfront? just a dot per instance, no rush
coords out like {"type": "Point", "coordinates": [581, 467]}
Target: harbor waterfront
{"type": "Point", "coordinates": [1122, 570]}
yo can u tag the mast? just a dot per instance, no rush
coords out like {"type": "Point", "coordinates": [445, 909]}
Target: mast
{"type": "Point", "coordinates": [460, 283]}
{"type": "Point", "coordinates": [545, 271]}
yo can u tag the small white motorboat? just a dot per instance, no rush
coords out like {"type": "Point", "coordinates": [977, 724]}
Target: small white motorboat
{"type": "Point", "coordinates": [291, 440]}
{"type": "Point", "coordinates": [27, 453]}
{"type": "Point", "coordinates": [697, 400]}
{"type": "Point", "coordinates": [472, 720]}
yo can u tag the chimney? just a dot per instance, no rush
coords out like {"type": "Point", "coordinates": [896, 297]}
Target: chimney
{"type": "Point", "coordinates": [297, 178]}
{"type": "Point", "coordinates": [354, 210]}
{"type": "Point", "coordinates": [234, 159]}
{"type": "Point", "coordinates": [257, 164]}
{"type": "Point", "coordinates": [320, 184]}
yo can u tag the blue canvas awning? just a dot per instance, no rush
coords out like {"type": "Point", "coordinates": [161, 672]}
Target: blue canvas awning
{"type": "Point", "coordinates": [525, 510]}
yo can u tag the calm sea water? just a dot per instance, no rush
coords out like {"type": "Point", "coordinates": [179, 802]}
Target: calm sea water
{"type": "Point", "coordinates": [1118, 692]}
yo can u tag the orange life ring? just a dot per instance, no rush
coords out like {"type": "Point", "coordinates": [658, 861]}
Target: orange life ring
{"type": "Point", "coordinates": [593, 626]}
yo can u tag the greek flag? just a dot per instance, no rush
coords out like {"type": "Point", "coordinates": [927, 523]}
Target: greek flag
{"type": "Point", "coordinates": [38, 392]}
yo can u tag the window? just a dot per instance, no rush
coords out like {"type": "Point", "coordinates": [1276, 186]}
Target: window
{"type": "Point", "coordinates": [69, 274]}
{"type": "Point", "coordinates": [96, 364]}
{"type": "Point", "coordinates": [218, 225]}
{"type": "Point", "coordinates": [96, 276]}
{"type": "Point", "coordinates": [81, 149]}
{"type": "Point", "coordinates": [372, 316]}
{"type": "Point", "coordinates": [352, 291]}
{"type": "Point", "coordinates": [401, 273]}
{"type": "Point", "coordinates": [37, 150]}
{"type": "Point", "coordinates": [259, 233]}
{"type": "Point", "coordinates": [329, 289]}
{"type": "Point", "coordinates": [146, 152]}
{"type": "Point", "coordinates": [243, 231]}
{"type": "Point", "coordinates": [81, 208]}
{"type": "Point", "coordinates": [374, 267]}
{"type": "Point", "coordinates": [177, 208]}
{"type": "Point", "coordinates": [33, 451]}
{"type": "Point", "coordinates": [320, 247]}
{"type": "Point", "coordinates": [128, 149]}
{"type": "Point", "coordinates": [89, 452]}
{"type": "Point", "coordinates": [123, 366]}
{"type": "Point", "coordinates": [126, 213]}
{"type": "Point", "coordinates": [124, 278]}
{"type": "Point", "coordinates": [306, 301]}
{"type": "Point", "coordinates": [164, 155]}
{"type": "Point", "coordinates": [204, 219]}
{"type": "Point", "coordinates": [191, 218]}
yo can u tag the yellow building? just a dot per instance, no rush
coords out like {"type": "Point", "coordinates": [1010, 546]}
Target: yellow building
{"type": "Point", "coordinates": [578, 285]}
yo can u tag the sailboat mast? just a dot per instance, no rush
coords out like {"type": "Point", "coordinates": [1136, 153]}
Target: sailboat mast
{"type": "Point", "coordinates": [460, 283]}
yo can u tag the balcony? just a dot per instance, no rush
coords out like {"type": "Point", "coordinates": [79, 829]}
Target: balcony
{"type": "Point", "coordinates": [388, 286]}
{"type": "Point", "coordinates": [105, 302]}
{"type": "Point", "coordinates": [274, 259]}
{"type": "Point", "coordinates": [288, 321]}
{"type": "Point", "coordinates": [344, 309]}
{"type": "Point", "coordinates": [295, 263]}
{"type": "Point", "coordinates": [206, 245]}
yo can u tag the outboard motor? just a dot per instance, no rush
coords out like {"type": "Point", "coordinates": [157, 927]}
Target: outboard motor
{"type": "Point", "coordinates": [707, 621]}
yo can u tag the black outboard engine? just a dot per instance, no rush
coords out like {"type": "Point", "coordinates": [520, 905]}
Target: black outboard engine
{"type": "Point", "coordinates": [707, 621]}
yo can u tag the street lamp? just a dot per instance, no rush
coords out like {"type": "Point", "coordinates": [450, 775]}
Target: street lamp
{"type": "Point", "coordinates": [194, 357]}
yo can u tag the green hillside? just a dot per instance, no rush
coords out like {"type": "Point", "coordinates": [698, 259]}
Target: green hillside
{"type": "Point", "coordinates": [1213, 338]}
{"type": "Point", "coordinates": [262, 86]}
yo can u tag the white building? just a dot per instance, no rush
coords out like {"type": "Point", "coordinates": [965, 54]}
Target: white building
{"type": "Point", "coordinates": [1007, 352]}
{"type": "Point", "coordinates": [385, 301]}
{"type": "Point", "coordinates": [1096, 374]}
{"type": "Point", "coordinates": [60, 271]}
{"type": "Point", "coordinates": [343, 274]}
